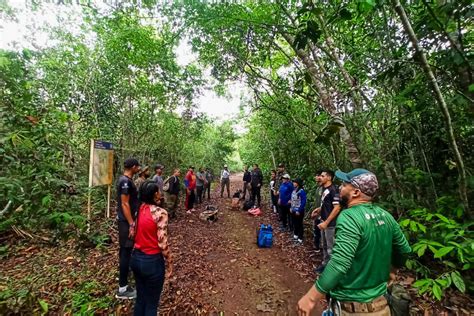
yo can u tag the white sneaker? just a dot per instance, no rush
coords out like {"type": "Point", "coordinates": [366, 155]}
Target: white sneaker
{"type": "Point", "coordinates": [295, 237]}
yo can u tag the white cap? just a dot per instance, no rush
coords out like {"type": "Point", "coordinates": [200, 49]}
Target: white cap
{"type": "Point", "coordinates": [225, 166]}
{"type": "Point", "coordinates": [286, 176]}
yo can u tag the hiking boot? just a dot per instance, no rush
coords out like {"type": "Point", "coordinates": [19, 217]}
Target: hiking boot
{"type": "Point", "coordinates": [128, 294]}
{"type": "Point", "coordinates": [319, 269]}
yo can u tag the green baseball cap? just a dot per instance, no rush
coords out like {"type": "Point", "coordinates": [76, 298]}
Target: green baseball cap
{"type": "Point", "coordinates": [362, 179]}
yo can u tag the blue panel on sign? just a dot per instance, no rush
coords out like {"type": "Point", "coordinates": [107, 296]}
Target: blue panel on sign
{"type": "Point", "coordinates": [103, 145]}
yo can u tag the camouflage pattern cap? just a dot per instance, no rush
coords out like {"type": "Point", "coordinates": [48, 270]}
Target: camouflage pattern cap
{"type": "Point", "coordinates": [362, 179]}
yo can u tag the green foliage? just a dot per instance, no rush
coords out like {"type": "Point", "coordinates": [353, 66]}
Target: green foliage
{"type": "Point", "coordinates": [445, 245]}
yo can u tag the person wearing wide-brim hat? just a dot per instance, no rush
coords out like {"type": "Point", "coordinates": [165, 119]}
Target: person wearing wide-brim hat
{"type": "Point", "coordinates": [143, 174]}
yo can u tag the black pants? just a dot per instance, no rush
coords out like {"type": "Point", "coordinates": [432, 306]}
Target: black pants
{"type": "Point", "coordinates": [298, 225]}
{"type": "Point", "coordinates": [199, 191]}
{"type": "Point", "coordinates": [317, 234]}
{"type": "Point", "coordinates": [256, 194]}
{"type": "Point", "coordinates": [207, 188]}
{"type": "Point", "coordinates": [149, 272]}
{"type": "Point", "coordinates": [284, 215]}
{"type": "Point", "coordinates": [125, 251]}
{"type": "Point", "coordinates": [244, 190]}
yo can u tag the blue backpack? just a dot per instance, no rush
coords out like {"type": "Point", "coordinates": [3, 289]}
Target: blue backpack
{"type": "Point", "coordinates": [265, 236]}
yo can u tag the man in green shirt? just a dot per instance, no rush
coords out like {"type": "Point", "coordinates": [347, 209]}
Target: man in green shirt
{"type": "Point", "coordinates": [368, 240]}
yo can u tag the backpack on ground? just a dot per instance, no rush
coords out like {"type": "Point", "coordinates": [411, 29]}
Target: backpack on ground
{"type": "Point", "coordinates": [265, 236]}
{"type": "Point", "coordinates": [248, 204]}
{"type": "Point", "coordinates": [398, 300]}
{"type": "Point", "coordinates": [166, 184]}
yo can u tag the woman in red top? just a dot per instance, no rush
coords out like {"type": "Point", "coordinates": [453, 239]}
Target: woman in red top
{"type": "Point", "coordinates": [150, 251]}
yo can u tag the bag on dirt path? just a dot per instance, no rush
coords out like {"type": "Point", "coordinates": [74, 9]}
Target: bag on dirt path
{"type": "Point", "coordinates": [248, 204]}
{"type": "Point", "coordinates": [265, 236]}
{"type": "Point", "coordinates": [255, 211]}
{"type": "Point", "coordinates": [398, 300]}
{"type": "Point", "coordinates": [209, 214]}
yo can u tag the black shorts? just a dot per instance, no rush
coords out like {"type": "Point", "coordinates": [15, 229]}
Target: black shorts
{"type": "Point", "coordinates": [123, 230]}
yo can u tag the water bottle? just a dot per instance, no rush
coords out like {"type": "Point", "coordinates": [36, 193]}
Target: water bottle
{"type": "Point", "coordinates": [327, 312]}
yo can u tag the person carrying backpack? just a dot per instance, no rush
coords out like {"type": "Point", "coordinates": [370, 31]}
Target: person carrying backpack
{"type": "Point", "coordinates": [172, 188]}
{"type": "Point", "coordinates": [298, 204]}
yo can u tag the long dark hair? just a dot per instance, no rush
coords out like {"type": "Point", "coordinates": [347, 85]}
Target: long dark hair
{"type": "Point", "coordinates": [147, 192]}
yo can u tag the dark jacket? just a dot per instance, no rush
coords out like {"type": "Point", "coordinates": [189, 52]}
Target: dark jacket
{"type": "Point", "coordinates": [256, 178]}
{"type": "Point", "coordinates": [247, 176]}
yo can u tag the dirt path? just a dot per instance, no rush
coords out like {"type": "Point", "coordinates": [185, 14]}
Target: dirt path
{"type": "Point", "coordinates": [218, 268]}
{"type": "Point", "coordinates": [225, 271]}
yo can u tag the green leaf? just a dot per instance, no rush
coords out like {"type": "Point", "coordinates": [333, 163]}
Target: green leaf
{"type": "Point", "coordinates": [471, 88]}
{"type": "Point", "coordinates": [437, 292]}
{"type": "Point", "coordinates": [422, 227]}
{"type": "Point", "coordinates": [44, 306]}
{"type": "Point", "coordinates": [422, 250]}
{"type": "Point", "coordinates": [405, 222]}
{"type": "Point", "coordinates": [458, 281]}
{"type": "Point", "coordinates": [421, 282]}
{"type": "Point", "coordinates": [443, 218]}
{"type": "Point", "coordinates": [413, 226]}
{"type": "Point", "coordinates": [443, 251]}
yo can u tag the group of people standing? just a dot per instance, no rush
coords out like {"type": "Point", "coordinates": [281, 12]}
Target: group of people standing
{"type": "Point", "coordinates": [360, 241]}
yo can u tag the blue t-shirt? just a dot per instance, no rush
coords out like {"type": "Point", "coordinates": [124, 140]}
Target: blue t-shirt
{"type": "Point", "coordinates": [285, 192]}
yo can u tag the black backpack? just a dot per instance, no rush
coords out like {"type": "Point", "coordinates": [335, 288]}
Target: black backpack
{"type": "Point", "coordinates": [248, 204]}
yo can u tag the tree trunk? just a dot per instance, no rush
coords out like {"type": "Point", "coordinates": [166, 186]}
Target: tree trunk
{"type": "Point", "coordinates": [440, 100]}
{"type": "Point", "coordinates": [326, 102]}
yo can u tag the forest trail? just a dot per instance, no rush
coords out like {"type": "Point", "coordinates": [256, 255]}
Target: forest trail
{"type": "Point", "coordinates": [221, 268]}
{"type": "Point", "coordinates": [217, 268]}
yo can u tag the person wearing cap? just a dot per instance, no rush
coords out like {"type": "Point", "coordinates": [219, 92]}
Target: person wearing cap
{"type": "Point", "coordinates": [127, 208]}
{"type": "Point", "coordinates": [142, 176]}
{"type": "Point", "coordinates": [256, 181]}
{"type": "Point", "coordinates": [329, 210]}
{"type": "Point", "coordinates": [284, 201]}
{"type": "Point", "coordinates": [298, 204]}
{"type": "Point", "coordinates": [190, 183]}
{"type": "Point", "coordinates": [225, 181]}
{"type": "Point", "coordinates": [368, 242]}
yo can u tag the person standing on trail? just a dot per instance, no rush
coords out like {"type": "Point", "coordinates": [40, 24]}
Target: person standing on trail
{"type": "Point", "coordinates": [329, 210]}
{"type": "Point", "coordinates": [142, 176]}
{"type": "Point", "coordinates": [207, 187]}
{"type": "Point", "coordinates": [278, 181]}
{"type": "Point", "coordinates": [368, 242]}
{"type": "Point", "coordinates": [225, 181]}
{"type": "Point", "coordinates": [273, 194]}
{"type": "Point", "coordinates": [246, 179]}
{"type": "Point", "coordinates": [172, 195]}
{"type": "Point", "coordinates": [317, 218]}
{"type": "Point", "coordinates": [190, 183]}
{"type": "Point", "coordinates": [158, 178]}
{"type": "Point", "coordinates": [200, 183]}
{"type": "Point", "coordinates": [127, 208]}
{"type": "Point", "coordinates": [150, 251]}
{"type": "Point", "coordinates": [284, 201]}
{"type": "Point", "coordinates": [298, 204]}
{"type": "Point", "coordinates": [256, 182]}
